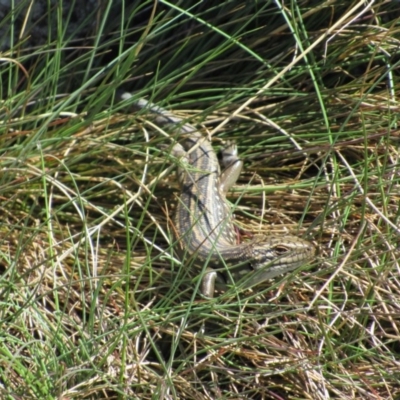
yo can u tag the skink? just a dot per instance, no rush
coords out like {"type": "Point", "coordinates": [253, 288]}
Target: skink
{"type": "Point", "coordinates": [203, 219]}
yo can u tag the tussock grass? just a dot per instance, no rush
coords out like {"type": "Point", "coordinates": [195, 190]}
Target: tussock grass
{"type": "Point", "coordinates": [94, 302]}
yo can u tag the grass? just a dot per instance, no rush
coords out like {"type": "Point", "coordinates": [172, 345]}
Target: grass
{"type": "Point", "coordinates": [94, 303]}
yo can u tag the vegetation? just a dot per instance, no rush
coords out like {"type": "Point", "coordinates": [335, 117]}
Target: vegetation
{"type": "Point", "coordinates": [93, 302]}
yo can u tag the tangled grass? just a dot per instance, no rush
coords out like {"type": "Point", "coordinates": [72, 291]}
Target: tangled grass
{"type": "Point", "coordinates": [94, 303]}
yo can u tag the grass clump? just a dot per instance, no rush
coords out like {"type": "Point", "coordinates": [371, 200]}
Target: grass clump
{"type": "Point", "coordinates": [94, 302]}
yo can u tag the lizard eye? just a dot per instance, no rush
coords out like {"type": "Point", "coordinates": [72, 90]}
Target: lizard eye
{"type": "Point", "coordinates": [281, 250]}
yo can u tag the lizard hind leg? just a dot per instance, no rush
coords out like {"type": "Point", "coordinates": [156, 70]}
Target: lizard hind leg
{"type": "Point", "coordinates": [233, 167]}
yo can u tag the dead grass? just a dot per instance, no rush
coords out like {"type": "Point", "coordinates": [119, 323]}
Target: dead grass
{"type": "Point", "coordinates": [94, 303]}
